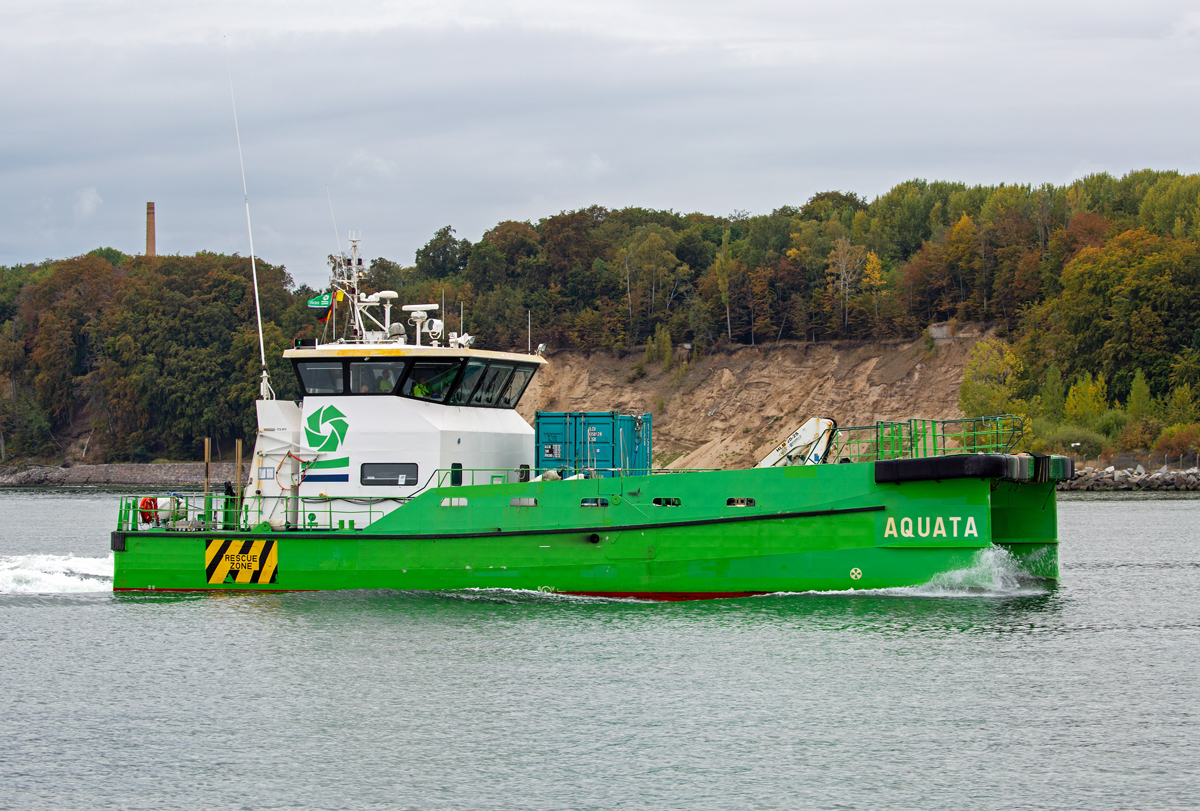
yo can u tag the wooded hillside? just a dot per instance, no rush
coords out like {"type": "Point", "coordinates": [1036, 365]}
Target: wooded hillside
{"type": "Point", "coordinates": [1092, 283]}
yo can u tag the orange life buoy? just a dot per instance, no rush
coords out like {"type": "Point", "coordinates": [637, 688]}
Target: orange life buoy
{"type": "Point", "coordinates": [148, 507]}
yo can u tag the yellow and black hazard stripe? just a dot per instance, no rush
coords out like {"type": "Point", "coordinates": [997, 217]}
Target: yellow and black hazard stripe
{"type": "Point", "coordinates": [241, 562]}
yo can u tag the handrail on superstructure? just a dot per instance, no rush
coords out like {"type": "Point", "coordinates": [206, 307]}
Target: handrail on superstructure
{"type": "Point", "coordinates": [917, 438]}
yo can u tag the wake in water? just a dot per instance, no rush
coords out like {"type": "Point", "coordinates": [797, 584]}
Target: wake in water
{"type": "Point", "coordinates": [993, 572]}
{"type": "Point", "coordinates": [54, 574]}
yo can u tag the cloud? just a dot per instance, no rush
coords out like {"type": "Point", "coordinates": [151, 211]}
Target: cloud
{"type": "Point", "coordinates": [1187, 27]}
{"type": "Point", "coordinates": [595, 167]}
{"type": "Point", "coordinates": [464, 112]}
{"type": "Point", "coordinates": [87, 200]}
{"type": "Point", "coordinates": [363, 160]}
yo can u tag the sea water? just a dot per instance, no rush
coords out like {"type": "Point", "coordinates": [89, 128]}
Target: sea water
{"type": "Point", "coordinates": [978, 690]}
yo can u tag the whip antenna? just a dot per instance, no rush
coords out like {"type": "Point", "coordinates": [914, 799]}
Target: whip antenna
{"type": "Point", "coordinates": [336, 235]}
{"type": "Point", "coordinates": [264, 389]}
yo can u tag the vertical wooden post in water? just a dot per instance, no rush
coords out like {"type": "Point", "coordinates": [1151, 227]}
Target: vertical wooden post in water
{"type": "Point", "coordinates": [237, 504]}
{"type": "Point", "coordinates": [207, 494]}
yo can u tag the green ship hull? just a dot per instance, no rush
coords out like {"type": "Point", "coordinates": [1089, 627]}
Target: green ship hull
{"type": "Point", "coordinates": [684, 535]}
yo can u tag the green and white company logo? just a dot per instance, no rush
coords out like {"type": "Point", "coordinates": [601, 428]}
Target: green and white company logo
{"type": "Point", "coordinates": [326, 429]}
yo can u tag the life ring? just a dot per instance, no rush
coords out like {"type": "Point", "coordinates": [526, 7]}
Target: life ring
{"type": "Point", "coordinates": [149, 509]}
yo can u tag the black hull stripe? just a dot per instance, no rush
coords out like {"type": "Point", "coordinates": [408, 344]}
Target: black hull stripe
{"type": "Point", "coordinates": [496, 533]}
{"type": "Point", "coordinates": [216, 561]}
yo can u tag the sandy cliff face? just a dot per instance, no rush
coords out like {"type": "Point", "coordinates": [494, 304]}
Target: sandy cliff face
{"type": "Point", "coordinates": [730, 408]}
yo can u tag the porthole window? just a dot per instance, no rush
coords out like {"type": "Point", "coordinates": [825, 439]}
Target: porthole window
{"type": "Point", "coordinates": [523, 502]}
{"type": "Point", "coordinates": [667, 502]}
{"type": "Point", "coordinates": [594, 502]}
{"type": "Point", "coordinates": [454, 501]}
{"type": "Point", "coordinates": [739, 502]}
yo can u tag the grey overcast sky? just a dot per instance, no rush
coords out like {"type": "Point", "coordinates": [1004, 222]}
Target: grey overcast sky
{"type": "Point", "coordinates": [422, 114]}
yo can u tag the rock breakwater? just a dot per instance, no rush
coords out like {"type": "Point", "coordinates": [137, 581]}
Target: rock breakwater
{"type": "Point", "coordinates": [172, 474]}
{"type": "Point", "coordinates": [1112, 478]}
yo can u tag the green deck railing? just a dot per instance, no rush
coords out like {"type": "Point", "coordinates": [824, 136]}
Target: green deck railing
{"type": "Point", "coordinates": [919, 438]}
{"type": "Point", "coordinates": [193, 512]}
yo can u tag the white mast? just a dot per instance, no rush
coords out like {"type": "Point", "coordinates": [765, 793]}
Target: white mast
{"type": "Point", "coordinates": [265, 392]}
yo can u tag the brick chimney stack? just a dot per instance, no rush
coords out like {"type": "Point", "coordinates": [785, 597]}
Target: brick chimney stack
{"type": "Point", "coordinates": [150, 229]}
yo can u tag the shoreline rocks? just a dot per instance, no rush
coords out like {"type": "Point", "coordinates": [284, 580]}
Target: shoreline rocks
{"type": "Point", "coordinates": [1112, 478]}
{"type": "Point", "coordinates": [171, 474]}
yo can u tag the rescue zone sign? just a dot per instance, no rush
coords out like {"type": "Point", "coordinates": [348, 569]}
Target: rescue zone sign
{"type": "Point", "coordinates": [240, 562]}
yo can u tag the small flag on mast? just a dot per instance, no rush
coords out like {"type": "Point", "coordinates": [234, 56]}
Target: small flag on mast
{"type": "Point", "coordinates": [320, 306]}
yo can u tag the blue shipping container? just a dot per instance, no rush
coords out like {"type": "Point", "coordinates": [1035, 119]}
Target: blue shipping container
{"type": "Point", "coordinates": [601, 443]}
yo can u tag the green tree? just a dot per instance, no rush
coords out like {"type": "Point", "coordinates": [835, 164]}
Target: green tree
{"type": "Point", "coordinates": [1171, 207]}
{"type": "Point", "coordinates": [383, 274]}
{"type": "Point", "coordinates": [1180, 406]}
{"type": "Point", "coordinates": [110, 255]}
{"type": "Point", "coordinates": [657, 277]}
{"type": "Point", "coordinates": [723, 267]}
{"type": "Point", "coordinates": [487, 267]}
{"type": "Point", "coordinates": [1185, 367]}
{"type": "Point", "coordinates": [1054, 395]}
{"type": "Point", "coordinates": [1140, 402]}
{"type": "Point", "coordinates": [989, 385]}
{"type": "Point", "coordinates": [1086, 401]}
{"type": "Point", "coordinates": [443, 255]}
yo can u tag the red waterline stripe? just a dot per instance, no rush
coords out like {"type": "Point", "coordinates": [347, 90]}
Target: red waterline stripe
{"type": "Point", "coordinates": [215, 591]}
{"type": "Point", "coordinates": [666, 596]}
{"type": "Point", "coordinates": [658, 596]}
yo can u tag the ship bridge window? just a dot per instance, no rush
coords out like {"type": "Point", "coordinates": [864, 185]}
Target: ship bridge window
{"type": "Point", "coordinates": [516, 386]}
{"type": "Point", "coordinates": [388, 474]}
{"type": "Point", "coordinates": [321, 376]}
{"type": "Point", "coordinates": [431, 379]}
{"type": "Point", "coordinates": [466, 387]}
{"type": "Point", "coordinates": [493, 384]}
{"type": "Point", "coordinates": [375, 376]}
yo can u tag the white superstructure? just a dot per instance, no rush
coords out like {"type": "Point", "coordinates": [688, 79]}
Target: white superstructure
{"type": "Point", "coordinates": [384, 419]}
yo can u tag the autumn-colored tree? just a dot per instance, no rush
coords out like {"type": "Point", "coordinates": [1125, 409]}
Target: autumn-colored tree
{"type": "Point", "coordinates": [963, 261]}
{"type": "Point", "coordinates": [873, 281]}
{"type": "Point", "coordinates": [845, 265]}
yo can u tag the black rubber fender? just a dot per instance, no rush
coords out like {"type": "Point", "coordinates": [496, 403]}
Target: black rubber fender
{"type": "Point", "coordinates": [940, 468]}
